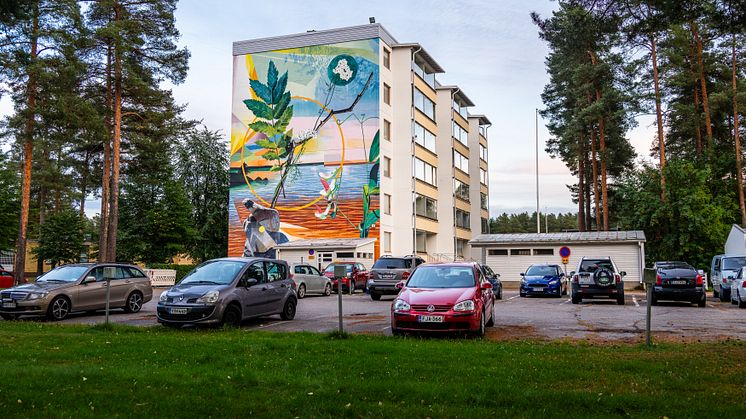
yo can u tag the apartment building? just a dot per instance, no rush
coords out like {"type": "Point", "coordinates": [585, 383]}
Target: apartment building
{"type": "Point", "coordinates": [379, 148]}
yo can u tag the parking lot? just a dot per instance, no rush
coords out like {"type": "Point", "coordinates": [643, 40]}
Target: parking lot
{"type": "Point", "coordinates": [517, 318]}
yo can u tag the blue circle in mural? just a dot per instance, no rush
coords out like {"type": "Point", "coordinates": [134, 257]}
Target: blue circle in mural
{"type": "Point", "coordinates": [342, 70]}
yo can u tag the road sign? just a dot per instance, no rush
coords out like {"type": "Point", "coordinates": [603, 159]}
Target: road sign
{"type": "Point", "coordinates": [564, 252]}
{"type": "Point", "coordinates": [565, 260]}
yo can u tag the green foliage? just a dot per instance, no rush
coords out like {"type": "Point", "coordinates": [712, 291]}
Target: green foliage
{"type": "Point", "coordinates": [9, 203]}
{"type": "Point", "coordinates": [61, 238]}
{"type": "Point", "coordinates": [526, 223]}
{"type": "Point", "coordinates": [691, 225]}
{"type": "Point", "coordinates": [371, 216]}
{"type": "Point", "coordinates": [181, 270]}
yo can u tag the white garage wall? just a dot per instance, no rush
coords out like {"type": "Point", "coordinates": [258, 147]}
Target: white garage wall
{"type": "Point", "coordinates": [626, 256]}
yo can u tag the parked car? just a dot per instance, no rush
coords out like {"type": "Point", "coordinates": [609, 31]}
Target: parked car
{"type": "Point", "coordinates": [678, 281]}
{"type": "Point", "coordinates": [389, 271]}
{"type": "Point", "coordinates": [356, 273]}
{"type": "Point", "coordinates": [597, 277]}
{"type": "Point", "coordinates": [497, 285]}
{"type": "Point", "coordinates": [448, 297]}
{"type": "Point", "coordinates": [229, 290]}
{"type": "Point", "coordinates": [543, 279]}
{"type": "Point", "coordinates": [724, 268]}
{"type": "Point", "coordinates": [6, 279]}
{"type": "Point", "coordinates": [77, 287]}
{"type": "Point", "coordinates": [738, 289]}
{"type": "Point", "coordinates": [308, 280]}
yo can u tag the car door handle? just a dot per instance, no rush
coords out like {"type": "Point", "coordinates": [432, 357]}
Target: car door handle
{"type": "Point", "coordinates": [264, 288]}
{"type": "Point", "coordinates": [283, 285]}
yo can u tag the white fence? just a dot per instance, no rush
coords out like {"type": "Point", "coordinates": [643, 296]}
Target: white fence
{"type": "Point", "coordinates": [161, 277]}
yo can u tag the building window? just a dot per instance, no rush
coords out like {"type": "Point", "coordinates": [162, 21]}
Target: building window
{"type": "Point", "coordinates": [386, 166]}
{"type": "Point", "coordinates": [386, 94]}
{"type": "Point", "coordinates": [461, 110]}
{"type": "Point", "coordinates": [520, 252]}
{"type": "Point", "coordinates": [425, 172]}
{"type": "Point", "coordinates": [497, 252]}
{"type": "Point", "coordinates": [462, 219]}
{"type": "Point", "coordinates": [543, 252]}
{"type": "Point", "coordinates": [460, 162]}
{"type": "Point", "coordinates": [485, 226]}
{"type": "Point", "coordinates": [387, 58]}
{"type": "Point", "coordinates": [387, 204]}
{"type": "Point", "coordinates": [483, 176]}
{"type": "Point", "coordinates": [426, 207]}
{"type": "Point", "coordinates": [421, 242]}
{"type": "Point", "coordinates": [460, 134]}
{"type": "Point", "coordinates": [483, 130]}
{"type": "Point", "coordinates": [483, 201]}
{"type": "Point", "coordinates": [482, 152]}
{"type": "Point", "coordinates": [423, 137]}
{"type": "Point", "coordinates": [460, 247]}
{"type": "Point", "coordinates": [387, 241]}
{"type": "Point", "coordinates": [428, 78]}
{"type": "Point", "coordinates": [424, 104]}
{"type": "Point", "coordinates": [461, 190]}
{"type": "Point", "coordinates": [348, 255]}
{"type": "Point", "coordinates": [386, 130]}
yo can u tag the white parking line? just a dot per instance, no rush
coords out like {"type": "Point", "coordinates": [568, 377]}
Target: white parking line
{"type": "Point", "coordinates": [634, 300]}
{"type": "Point", "coordinates": [565, 302]}
{"type": "Point", "coordinates": [515, 296]}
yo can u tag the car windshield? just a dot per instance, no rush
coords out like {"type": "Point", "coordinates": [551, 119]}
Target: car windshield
{"type": "Point", "coordinates": [674, 265]}
{"type": "Point", "coordinates": [442, 277]}
{"type": "Point", "coordinates": [330, 268]}
{"type": "Point", "coordinates": [733, 264]}
{"type": "Point", "coordinates": [592, 265]}
{"type": "Point", "coordinates": [63, 274]}
{"type": "Point", "coordinates": [488, 271]}
{"type": "Point", "coordinates": [392, 263]}
{"type": "Point", "coordinates": [539, 270]}
{"type": "Point", "coordinates": [220, 272]}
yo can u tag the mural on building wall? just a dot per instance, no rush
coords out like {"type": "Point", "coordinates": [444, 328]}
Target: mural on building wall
{"type": "Point", "coordinates": [304, 146]}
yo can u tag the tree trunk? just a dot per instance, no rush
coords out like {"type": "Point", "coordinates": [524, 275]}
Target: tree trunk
{"type": "Point", "coordinates": [588, 223]}
{"type": "Point", "coordinates": [42, 215]}
{"type": "Point", "coordinates": [103, 240]}
{"type": "Point", "coordinates": [116, 149]}
{"type": "Point", "coordinates": [581, 183]}
{"type": "Point", "coordinates": [697, 126]}
{"type": "Point", "coordinates": [659, 116]}
{"type": "Point", "coordinates": [84, 184]}
{"type": "Point", "coordinates": [594, 170]}
{"type": "Point", "coordinates": [19, 265]}
{"type": "Point", "coordinates": [602, 152]}
{"type": "Point", "coordinates": [736, 134]}
{"type": "Point", "coordinates": [703, 82]}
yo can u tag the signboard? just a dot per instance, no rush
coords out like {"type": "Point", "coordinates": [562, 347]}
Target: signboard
{"type": "Point", "coordinates": [565, 254]}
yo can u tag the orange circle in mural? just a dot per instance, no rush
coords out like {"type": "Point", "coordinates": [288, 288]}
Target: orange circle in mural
{"type": "Point", "coordinates": [339, 173]}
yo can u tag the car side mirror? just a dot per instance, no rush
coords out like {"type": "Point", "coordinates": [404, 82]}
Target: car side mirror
{"type": "Point", "coordinates": [399, 285]}
{"type": "Point", "coordinates": [731, 277]}
{"type": "Point", "coordinates": [623, 273]}
{"type": "Point", "coordinates": [497, 275]}
{"type": "Point", "coordinates": [486, 286]}
{"type": "Point", "coordinates": [523, 274]}
{"type": "Point", "coordinates": [572, 273]}
{"type": "Point", "coordinates": [88, 279]}
{"type": "Point", "coordinates": [248, 282]}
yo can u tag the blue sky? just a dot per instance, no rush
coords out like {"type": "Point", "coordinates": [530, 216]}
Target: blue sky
{"type": "Point", "coordinates": [488, 48]}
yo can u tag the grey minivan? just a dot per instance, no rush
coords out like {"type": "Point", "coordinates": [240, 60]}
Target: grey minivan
{"type": "Point", "coordinates": [723, 270]}
{"type": "Point", "coordinates": [229, 290]}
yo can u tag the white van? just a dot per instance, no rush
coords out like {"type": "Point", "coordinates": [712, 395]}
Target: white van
{"type": "Point", "coordinates": [723, 270]}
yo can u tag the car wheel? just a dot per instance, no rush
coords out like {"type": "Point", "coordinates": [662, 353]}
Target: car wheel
{"type": "Point", "coordinates": [480, 332]}
{"type": "Point", "coordinates": [134, 302]}
{"type": "Point", "coordinates": [620, 300]}
{"type": "Point", "coordinates": [491, 322]}
{"type": "Point", "coordinates": [722, 295]}
{"type": "Point", "coordinates": [397, 332]}
{"type": "Point", "coordinates": [500, 293]}
{"type": "Point", "coordinates": [575, 299]}
{"type": "Point", "coordinates": [375, 296]}
{"type": "Point", "coordinates": [559, 292]}
{"type": "Point", "coordinates": [522, 294]}
{"type": "Point", "coordinates": [58, 309]}
{"type": "Point", "coordinates": [654, 301]}
{"type": "Point", "coordinates": [232, 316]}
{"type": "Point", "coordinates": [301, 290]}
{"type": "Point", "coordinates": [741, 304]}
{"type": "Point", "coordinates": [352, 287]}
{"type": "Point", "coordinates": [288, 312]}
{"type": "Point", "coordinates": [9, 316]}
{"type": "Point", "coordinates": [328, 290]}
{"type": "Point", "coordinates": [714, 293]}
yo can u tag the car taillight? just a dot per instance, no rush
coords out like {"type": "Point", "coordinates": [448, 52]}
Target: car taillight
{"type": "Point", "coordinates": [405, 275]}
{"type": "Point", "coordinates": [698, 280]}
{"type": "Point", "coordinates": [658, 280]}
{"type": "Point", "coordinates": [576, 278]}
{"type": "Point", "coordinates": [618, 278]}
{"type": "Point", "coordinates": [292, 275]}
{"type": "Point", "coordinates": [744, 284]}
{"type": "Point", "coordinates": [725, 280]}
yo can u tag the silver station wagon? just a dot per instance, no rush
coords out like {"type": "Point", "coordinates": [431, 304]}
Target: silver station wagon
{"type": "Point", "coordinates": [229, 290]}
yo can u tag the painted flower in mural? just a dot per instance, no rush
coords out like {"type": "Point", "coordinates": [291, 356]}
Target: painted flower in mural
{"type": "Point", "coordinates": [342, 69]}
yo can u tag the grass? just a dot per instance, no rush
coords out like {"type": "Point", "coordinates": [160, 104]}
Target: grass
{"type": "Point", "coordinates": [82, 371]}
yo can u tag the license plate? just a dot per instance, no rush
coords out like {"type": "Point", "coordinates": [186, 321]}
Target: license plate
{"type": "Point", "coordinates": [178, 311]}
{"type": "Point", "coordinates": [9, 304]}
{"type": "Point", "coordinates": [430, 319]}
{"type": "Point", "coordinates": [538, 289]}
{"type": "Point", "coordinates": [388, 276]}
{"type": "Point", "coordinates": [677, 282]}
{"type": "Point", "coordinates": [586, 280]}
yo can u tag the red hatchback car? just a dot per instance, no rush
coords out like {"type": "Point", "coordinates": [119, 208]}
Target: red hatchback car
{"type": "Point", "coordinates": [6, 279]}
{"type": "Point", "coordinates": [446, 297]}
{"type": "Point", "coordinates": [356, 273]}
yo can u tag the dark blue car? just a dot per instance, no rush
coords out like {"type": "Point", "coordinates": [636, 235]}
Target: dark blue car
{"type": "Point", "coordinates": [544, 280]}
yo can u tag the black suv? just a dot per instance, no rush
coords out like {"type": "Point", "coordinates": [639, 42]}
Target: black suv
{"type": "Point", "coordinates": [389, 271]}
{"type": "Point", "coordinates": [597, 277]}
{"type": "Point", "coordinates": [678, 281]}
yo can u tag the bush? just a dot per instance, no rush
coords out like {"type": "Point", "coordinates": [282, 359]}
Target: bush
{"type": "Point", "coordinates": [181, 270]}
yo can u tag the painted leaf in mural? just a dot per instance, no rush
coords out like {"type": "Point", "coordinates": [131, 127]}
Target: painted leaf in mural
{"type": "Point", "coordinates": [374, 149]}
{"type": "Point", "coordinates": [261, 90]}
{"type": "Point", "coordinates": [373, 176]}
{"type": "Point", "coordinates": [281, 105]}
{"type": "Point", "coordinates": [259, 108]}
{"type": "Point", "coordinates": [265, 143]}
{"type": "Point", "coordinates": [342, 70]}
{"type": "Point", "coordinates": [263, 127]}
{"type": "Point", "coordinates": [279, 88]}
{"type": "Point", "coordinates": [272, 78]}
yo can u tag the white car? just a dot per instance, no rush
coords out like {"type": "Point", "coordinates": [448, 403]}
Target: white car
{"type": "Point", "coordinates": [723, 270]}
{"type": "Point", "coordinates": [308, 280]}
{"type": "Point", "coordinates": [738, 289]}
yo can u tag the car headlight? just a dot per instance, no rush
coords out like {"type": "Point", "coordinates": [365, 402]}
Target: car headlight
{"type": "Point", "coordinates": [553, 282]}
{"type": "Point", "coordinates": [163, 297]}
{"type": "Point", "coordinates": [37, 295]}
{"type": "Point", "coordinates": [209, 298]}
{"type": "Point", "coordinates": [401, 305]}
{"type": "Point", "coordinates": [467, 305]}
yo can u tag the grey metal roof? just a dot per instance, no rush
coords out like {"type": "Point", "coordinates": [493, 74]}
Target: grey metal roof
{"type": "Point", "coordinates": [482, 119]}
{"type": "Point", "coordinates": [314, 37]}
{"type": "Point", "coordinates": [430, 63]}
{"type": "Point", "coordinates": [559, 238]}
{"type": "Point", "coordinates": [457, 93]}
{"type": "Point", "coordinates": [340, 243]}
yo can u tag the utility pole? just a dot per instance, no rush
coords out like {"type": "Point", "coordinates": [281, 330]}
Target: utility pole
{"type": "Point", "coordinates": [538, 215]}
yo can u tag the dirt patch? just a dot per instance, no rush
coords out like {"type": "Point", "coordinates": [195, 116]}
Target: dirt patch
{"type": "Point", "coordinates": [513, 333]}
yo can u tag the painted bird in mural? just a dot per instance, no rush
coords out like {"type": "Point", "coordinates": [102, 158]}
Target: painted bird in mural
{"type": "Point", "coordinates": [330, 182]}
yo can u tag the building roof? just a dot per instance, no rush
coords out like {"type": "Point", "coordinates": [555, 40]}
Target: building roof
{"type": "Point", "coordinates": [314, 37]}
{"type": "Point", "coordinates": [483, 240]}
{"type": "Point", "coordinates": [325, 243]}
{"type": "Point", "coordinates": [458, 94]}
{"type": "Point", "coordinates": [482, 119]}
{"type": "Point", "coordinates": [432, 66]}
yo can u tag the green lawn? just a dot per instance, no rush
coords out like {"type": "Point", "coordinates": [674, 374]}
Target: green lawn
{"type": "Point", "coordinates": [52, 370]}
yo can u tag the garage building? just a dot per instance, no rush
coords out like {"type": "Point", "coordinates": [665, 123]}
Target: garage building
{"type": "Point", "coordinates": [510, 254]}
{"type": "Point", "coordinates": [322, 252]}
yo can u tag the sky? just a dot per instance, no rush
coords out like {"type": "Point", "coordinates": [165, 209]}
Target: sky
{"type": "Point", "coordinates": [489, 48]}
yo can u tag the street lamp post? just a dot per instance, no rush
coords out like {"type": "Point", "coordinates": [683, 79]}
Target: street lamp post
{"type": "Point", "coordinates": [538, 219]}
